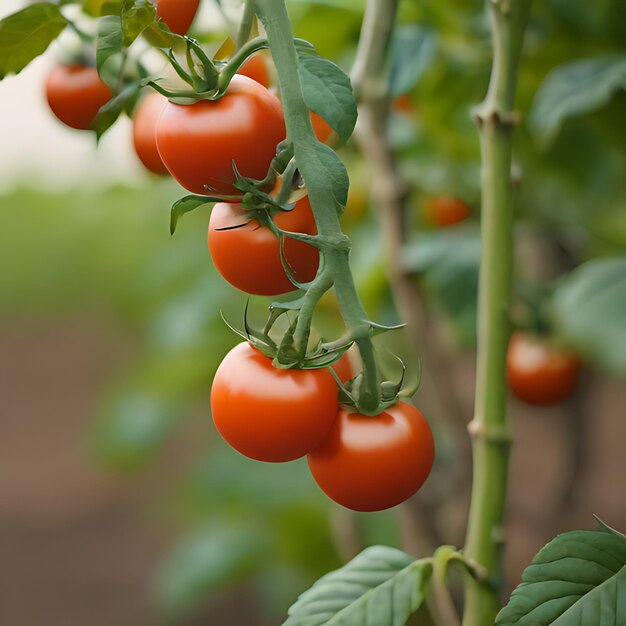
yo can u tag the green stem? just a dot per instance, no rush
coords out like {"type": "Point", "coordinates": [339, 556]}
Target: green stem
{"type": "Point", "coordinates": [490, 427]}
{"type": "Point", "coordinates": [275, 18]}
{"type": "Point", "coordinates": [245, 27]}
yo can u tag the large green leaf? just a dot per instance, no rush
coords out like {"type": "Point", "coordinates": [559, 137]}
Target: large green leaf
{"type": "Point", "coordinates": [589, 309]}
{"type": "Point", "coordinates": [137, 15]}
{"type": "Point", "coordinates": [412, 50]}
{"type": "Point", "coordinates": [328, 92]}
{"type": "Point", "coordinates": [578, 579]}
{"type": "Point", "coordinates": [380, 586]}
{"type": "Point", "coordinates": [27, 34]}
{"type": "Point", "coordinates": [574, 89]}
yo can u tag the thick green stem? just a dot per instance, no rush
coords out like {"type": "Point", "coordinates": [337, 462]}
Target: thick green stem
{"type": "Point", "coordinates": [490, 428]}
{"type": "Point", "coordinates": [275, 18]}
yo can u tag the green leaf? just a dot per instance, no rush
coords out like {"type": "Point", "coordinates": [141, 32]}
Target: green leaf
{"type": "Point", "coordinates": [108, 114]}
{"type": "Point", "coordinates": [185, 205]}
{"type": "Point", "coordinates": [27, 34]}
{"type": "Point", "coordinates": [206, 562]}
{"type": "Point", "coordinates": [109, 46]}
{"type": "Point", "coordinates": [589, 309]}
{"type": "Point", "coordinates": [449, 260]}
{"type": "Point", "coordinates": [575, 89]}
{"type": "Point", "coordinates": [380, 586]}
{"type": "Point", "coordinates": [137, 15]}
{"type": "Point", "coordinates": [335, 172]}
{"type": "Point", "coordinates": [328, 92]}
{"type": "Point", "coordinates": [412, 51]}
{"type": "Point", "coordinates": [578, 579]}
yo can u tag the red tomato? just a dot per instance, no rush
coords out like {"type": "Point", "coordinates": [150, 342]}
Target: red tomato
{"type": "Point", "coordinates": [374, 463]}
{"type": "Point", "coordinates": [144, 132]}
{"type": "Point", "coordinates": [256, 69]}
{"type": "Point", "coordinates": [75, 94]}
{"type": "Point", "coordinates": [321, 128]}
{"type": "Point", "coordinates": [445, 211]}
{"type": "Point", "coordinates": [199, 142]}
{"type": "Point", "coordinates": [343, 368]}
{"type": "Point", "coordinates": [539, 373]}
{"type": "Point", "coordinates": [403, 104]}
{"type": "Point", "coordinates": [249, 258]}
{"type": "Point", "coordinates": [271, 414]}
{"type": "Point", "coordinates": [177, 14]}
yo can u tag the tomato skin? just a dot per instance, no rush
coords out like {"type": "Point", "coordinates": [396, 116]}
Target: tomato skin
{"type": "Point", "coordinates": [256, 69]}
{"type": "Point", "coordinates": [321, 128]}
{"type": "Point", "coordinates": [374, 463]}
{"type": "Point", "coordinates": [177, 14]}
{"type": "Point", "coordinates": [271, 414]}
{"type": "Point", "coordinates": [445, 211]}
{"type": "Point", "coordinates": [249, 257]}
{"type": "Point", "coordinates": [199, 142]}
{"type": "Point", "coordinates": [75, 94]}
{"type": "Point", "coordinates": [539, 373]}
{"type": "Point", "coordinates": [343, 368]}
{"type": "Point", "coordinates": [145, 121]}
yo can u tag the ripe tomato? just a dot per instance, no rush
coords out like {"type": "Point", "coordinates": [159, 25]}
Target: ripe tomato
{"type": "Point", "coordinates": [256, 69]}
{"type": "Point", "coordinates": [374, 463]}
{"type": "Point", "coordinates": [343, 368]}
{"type": "Point", "coordinates": [445, 211]}
{"type": "Point", "coordinates": [144, 132]}
{"type": "Point", "coordinates": [271, 414]}
{"type": "Point", "coordinates": [177, 14]}
{"type": "Point", "coordinates": [403, 104]}
{"type": "Point", "coordinates": [199, 142]}
{"type": "Point", "coordinates": [249, 258]}
{"type": "Point", "coordinates": [75, 94]}
{"type": "Point", "coordinates": [321, 128]}
{"type": "Point", "coordinates": [539, 373]}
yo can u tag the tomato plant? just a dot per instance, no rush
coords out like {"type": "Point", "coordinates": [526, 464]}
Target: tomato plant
{"type": "Point", "coordinates": [75, 94]}
{"type": "Point", "coordinates": [538, 372]}
{"type": "Point", "coordinates": [200, 142]}
{"type": "Point", "coordinates": [373, 463]}
{"type": "Point", "coordinates": [145, 121]}
{"type": "Point", "coordinates": [271, 414]}
{"type": "Point", "coordinates": [247, 254]}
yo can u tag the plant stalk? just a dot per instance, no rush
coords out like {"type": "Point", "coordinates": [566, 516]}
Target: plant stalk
{"type": "Point", "coordinates": [273, 14]}
{"type": "Point", "coordinates": [490, 428]}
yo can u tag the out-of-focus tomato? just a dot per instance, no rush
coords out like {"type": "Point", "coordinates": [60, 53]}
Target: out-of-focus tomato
{"type": "Point", "coordinates": [75, 94]}
{"type": "Point", "coordinates": [321, 129]}
{"type": "Point", "coordinates": [256, 69]}
{"type": "Point", "coordinates": [271, 414]}
{"type": "Point", "coordinates": [145, 121]}
{"type": "Point", "coordinates": [445, 211]}
{"type": "Point", "coordinates": [177, 14]}
{"type": "Point", "coordinates": [374, 463]}
{"type": "Point", "coordinates": [538, 372]}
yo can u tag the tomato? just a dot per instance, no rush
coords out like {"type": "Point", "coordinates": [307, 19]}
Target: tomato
{"type": "Point", "coordinates": [343, 368]}
{"type": "Point", "coordinates": [177, 14]}
{"type": "Point", "coordinates": [199, 142]}
{"type": "Point", "coordinates": [374, 463]}
{"type": "Point", "coordinates": [249, 257]}
{"type": "Point", "coordinates": [271, 414]}
{"type": "Point", "coordinates": [75, 94]}
{"type": "Point", "coordinates": [144, 132]}
{"type": "Point", "coordinates": [538, 372]}
{"type": "Point", "coordinates": [445, 211]}
{"type": "Point", "coordinates": [256, 69]}
{"type": "Point", "coordinates": [403, 104]}
{"type": "Point", "coordinates": [321, 128]}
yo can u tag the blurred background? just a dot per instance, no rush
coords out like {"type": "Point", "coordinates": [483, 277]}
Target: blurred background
{"type": "Point", "coordinates": [118, 501]}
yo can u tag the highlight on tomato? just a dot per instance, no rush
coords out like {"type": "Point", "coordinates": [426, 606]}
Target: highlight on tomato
{"type": "Point", "coordinates": [247, 254]}
{"type": "Point", "coordinates": [257, 69]}
{"type": "Point", "coordinates": [199, 142]}
{"type": "Point", "coordinates": [178, 15]}
{"type": "Point", "coordinates": [145, 120]}
{"type": "Point", "coordinates": [539, 372]}
{"type": "Point", "coordinates": [270, 414]}
{"type": "Point", "coordinates": [443, 211]}
{"type": "Point", "coordinates": [374, 463]}
{"type": "Point", "coordinates": [75, 94]}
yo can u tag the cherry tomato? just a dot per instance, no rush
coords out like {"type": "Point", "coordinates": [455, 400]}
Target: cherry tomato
{"type": "Point", "coordinates": [199, 142]}
{"type": "Point", "coordinates": [75, 94]}
{"type": "Point", "coordinates": [321, 128]}
{"type": "Point", "coordinates": [177, 14]}
{"type": "Point", "coordinates": [249, 257]}
{"type": "Point", "coordinates": [374, 463]}
{"type": "Point", "coordinates": [538, 372]}
{"type": "Point", "coordinates": [271, 414]}
{"type": "Point", "coordinates": [256, 69]}
{"type": "Point", "coordinates": [445, 211]}
{"type": "Point", "coordinates": [144, 132]}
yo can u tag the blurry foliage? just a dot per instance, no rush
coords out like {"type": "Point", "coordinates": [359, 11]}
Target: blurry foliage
{"type": "Point", "coordinates": [109, 253]}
